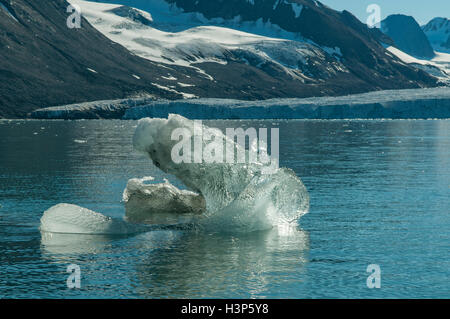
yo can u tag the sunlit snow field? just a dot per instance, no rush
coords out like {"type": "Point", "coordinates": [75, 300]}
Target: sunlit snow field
{"type": "Point", "coordinates": [380, 194]}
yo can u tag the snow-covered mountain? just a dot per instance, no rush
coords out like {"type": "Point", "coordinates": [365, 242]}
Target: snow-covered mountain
{"type": "Point", "coordinates": [182, 39]}
{"type": "Point", "coordinates": [241, 49]}
{"type": "Point", "coordinates": [45, 63]}
{"type": "Point", "coordinates": [438, 66]}
{"type": "Point", "coordinates": [412, 46]}
{"type": "Point", "coordinates": [438, 33]}
{"type": "Point", "coordinates": [289, 47]}
{"type": "Point", "coordinates": [403, 104]}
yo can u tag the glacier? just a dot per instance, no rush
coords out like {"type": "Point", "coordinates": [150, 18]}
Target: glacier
{"type": "Point", "coordinates": [395, 104]}
{"type": "Point", "coordinates": [170, 37]}
{"type": "Point", "coordinates": [164, 33]}
{"type": "Point", "coordinates": [438, 66]}
{"type": "Point", "coordinates": [392, 104]}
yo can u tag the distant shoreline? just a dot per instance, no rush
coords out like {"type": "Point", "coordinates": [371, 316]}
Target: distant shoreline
{"type": "Point", "coordinates": [431, 103]}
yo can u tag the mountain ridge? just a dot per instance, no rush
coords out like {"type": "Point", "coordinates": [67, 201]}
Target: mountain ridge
{"type": "Point", "coordinates": [438, 33]}
{"type": "Point", "coordinates": [359, 44]}
{"type": "Point", "coordinates": [64, 66]}
{"type": "Point", "coordinates": [408, 36]}
{"type": "Point", "coordinates": [44, 63]}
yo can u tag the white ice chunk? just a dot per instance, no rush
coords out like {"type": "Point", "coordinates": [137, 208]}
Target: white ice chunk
{"type": "Point", "coordinates": [72, 219]}
{"type": "Point", "coordinates": [160, 203]}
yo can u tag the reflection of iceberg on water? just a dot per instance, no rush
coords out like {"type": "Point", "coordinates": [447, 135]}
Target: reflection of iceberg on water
{"type": "Point", "coordinates": [199, 265]}
{"type": "Point", "coordinates": [229, 197]}
{"type": "Point", "coordinates": [74, 244]}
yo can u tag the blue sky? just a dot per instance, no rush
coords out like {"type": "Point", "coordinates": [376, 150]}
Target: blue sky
{"type": "Point", "coordinates": [422, 10]}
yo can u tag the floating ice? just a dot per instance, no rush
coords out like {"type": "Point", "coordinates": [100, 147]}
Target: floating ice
{"type": "Point", "coordinates": [72, 219]}
{"type": "Point", "coordinates": [159, 202]}
{"type": "Point", "coordinates": [227, 197]}
{"type": "Point", "coordinates": [239, 197]}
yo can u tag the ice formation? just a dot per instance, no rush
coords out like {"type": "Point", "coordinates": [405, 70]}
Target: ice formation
{"type": "Point", "coordinates": [225, 197]}
{"type": "Point", "coordinates": [159, 202]}
{"type": "Point", "coordinates": [72, 219]}
{"type": "Point", "coordinates": [166, 34]}
{"type": "Point", "coordinates": [397, 104]}
{"type": "Point", "coordinates": [239, 197]}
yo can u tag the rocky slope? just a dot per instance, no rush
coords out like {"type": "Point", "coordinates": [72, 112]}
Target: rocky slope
{"type": "Point", "coordinates": [407, 35]}
{"type": "Point", "coordinates": [44, 63]}
{"type": "Point", "coordinates": [413, 46]}
{"type": "Point", "coordinates": [348, 57]}
{"type": "Point", "coordinates": [438, 33]}
{"type": "Point", "coordinates": [238, 49]}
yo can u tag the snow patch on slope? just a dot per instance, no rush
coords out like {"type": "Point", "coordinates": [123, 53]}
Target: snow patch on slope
{"type": "Point", "coordinates": [175, 37]}
{"type": "Point", "coordinates": [439, 66]}
{"type": "Point", "coordinates": [297, 9]}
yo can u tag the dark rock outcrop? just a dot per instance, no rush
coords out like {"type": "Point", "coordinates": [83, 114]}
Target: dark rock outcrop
{"type": "Point", "coordinates": [407, 36]}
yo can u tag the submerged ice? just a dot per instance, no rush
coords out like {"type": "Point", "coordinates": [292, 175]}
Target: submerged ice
{"type": "Point", "coordinates": [222, 197]}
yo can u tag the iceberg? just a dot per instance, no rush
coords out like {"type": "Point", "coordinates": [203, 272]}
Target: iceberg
{"type": "Point", "coordinates": [223, 197]}
{"type": "Point", "coordinates": [239, 197]}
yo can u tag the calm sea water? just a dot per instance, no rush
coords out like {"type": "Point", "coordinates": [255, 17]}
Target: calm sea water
{"type": "Point", "coordinates": [380, 194]}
